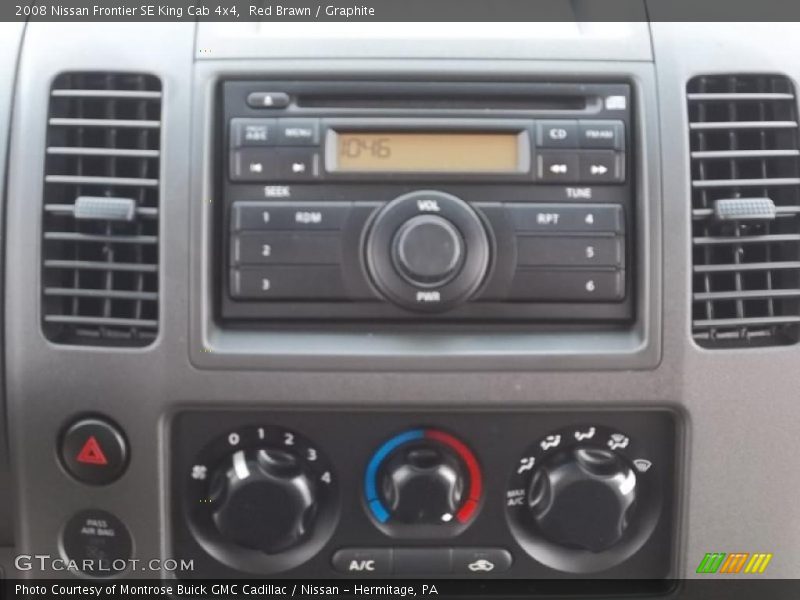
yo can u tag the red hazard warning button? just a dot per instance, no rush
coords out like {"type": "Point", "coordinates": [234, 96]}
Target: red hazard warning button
{"type": "Point", "coordinates": [94, 451]}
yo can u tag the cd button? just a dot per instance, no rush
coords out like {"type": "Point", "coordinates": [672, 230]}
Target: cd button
{"type": "Point", "coordinates": [286, 248]}
{"type": "Point", "coordinates": [298, 132]}
{"type": "Point", "coordinates": [288, 283]}
{"type": "Point", "coordinates": [558, 167]}
{"type": "Point", "coordinates": [268, 100]}
{"type": "Point", "coordinates": [363, 561]}
{"type": "Point", "coordinates": [557, 134]}
{"type": "Point", "coordinates": [480, 561]}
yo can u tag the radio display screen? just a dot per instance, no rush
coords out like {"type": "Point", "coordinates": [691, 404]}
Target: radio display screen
{"type": "Point", "coordinates": [445, 152]}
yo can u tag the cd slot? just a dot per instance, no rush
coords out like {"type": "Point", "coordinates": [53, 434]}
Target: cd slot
{"type": "Point", "coordinates": [450, 103]}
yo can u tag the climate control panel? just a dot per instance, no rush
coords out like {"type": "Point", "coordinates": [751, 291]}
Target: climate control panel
{"type": "Point", "coordinates": [534, 494]}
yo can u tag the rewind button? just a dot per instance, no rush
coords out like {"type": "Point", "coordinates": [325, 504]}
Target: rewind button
{"type": "Point", "coordinates": [558, 167]}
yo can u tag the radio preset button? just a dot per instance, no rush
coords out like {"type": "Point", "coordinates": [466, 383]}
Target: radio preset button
{"type": "Point", "coordinates": [566, 217]}
{"type": "Point", "coordinates": [561, 167]}
{"type": "Point", "coordinates": [601, 134]}
{"type": "Point", "coordinates": [567, 285]}
{"type": "Point", "coordinates": [289, 215]}
{"type": "Point", "coordinates": [286, 248]}
{"type": "Point", "coordinates": [288, 283]}
{"type": "Point", "coordinates": [298, 132]}
{"type": "Point", "coordinates": [267, 100]}
{"type": "Point", "coordinates": [557, 134]}
{"type": "Point", "coordinates": [600, 167]}
{"type": "Point", "coordinates": [537, 251]}
{"type": "Point", "coordinates": [253, 132]}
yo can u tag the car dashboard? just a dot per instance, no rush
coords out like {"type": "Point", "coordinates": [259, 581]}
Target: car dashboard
{"type": "Point", "coordinates": [489, 301]}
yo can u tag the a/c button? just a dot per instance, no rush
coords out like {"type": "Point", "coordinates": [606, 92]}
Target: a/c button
{"type": "Point", "coordinates": [363, 561]}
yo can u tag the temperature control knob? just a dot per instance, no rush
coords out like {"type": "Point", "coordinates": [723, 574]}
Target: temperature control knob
{"type": "Point", "coordinates": [583, 498]}
{"type": "Point", "coordinates": [423, 479]}
{"type": "Point", "coordinates": [423, 484]}
{"type": "Point", "coordinates": [264, 500]}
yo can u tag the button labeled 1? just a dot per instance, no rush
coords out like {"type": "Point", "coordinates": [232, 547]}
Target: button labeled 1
{"type": "Point", "coordinates": [289, 215]}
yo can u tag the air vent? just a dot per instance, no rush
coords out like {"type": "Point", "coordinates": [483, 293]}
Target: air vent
{"type": "Point", "coordinates": [745, 163]}
{"type": "Point", "coordinates": [101, 209]}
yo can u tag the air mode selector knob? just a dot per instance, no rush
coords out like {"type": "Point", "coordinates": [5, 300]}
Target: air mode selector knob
{"type": "Point", "coordinates": [583, 498]}
{"type": "Point", "coordinates": [428, 250]}
{"type": "Point", "coordinates": [265, 500]}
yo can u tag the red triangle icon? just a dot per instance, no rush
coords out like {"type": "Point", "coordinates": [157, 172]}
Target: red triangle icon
{"type": "Point", "coordinates": [91, 453]}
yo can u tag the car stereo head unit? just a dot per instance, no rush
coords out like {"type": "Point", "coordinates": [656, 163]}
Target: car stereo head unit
{"type": "Point", "coordinates": [425, 201]}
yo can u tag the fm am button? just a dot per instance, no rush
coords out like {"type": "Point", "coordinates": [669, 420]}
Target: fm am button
{"type": "Point", "coordinates": [94, 451]}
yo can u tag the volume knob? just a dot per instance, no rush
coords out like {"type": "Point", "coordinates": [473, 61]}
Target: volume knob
{"type": "Point", "coordinates": [428, 250]}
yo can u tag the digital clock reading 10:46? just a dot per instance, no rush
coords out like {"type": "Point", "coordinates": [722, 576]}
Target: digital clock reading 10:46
{"type": "Point", "coordinates": [389, 152]}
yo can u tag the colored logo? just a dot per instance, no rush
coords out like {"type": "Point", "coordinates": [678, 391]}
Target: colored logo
{"type": "Point", "coordinates": [734, 563]}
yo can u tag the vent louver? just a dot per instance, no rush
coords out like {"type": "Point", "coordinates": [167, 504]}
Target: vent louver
{"type": "Point", "coordinates": [101, 210]}
{"type": "Point", "coordinates": [745, 161]}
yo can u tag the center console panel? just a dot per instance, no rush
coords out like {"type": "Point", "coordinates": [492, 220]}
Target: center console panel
{"type": "Point", "coordinates": [498, 494]}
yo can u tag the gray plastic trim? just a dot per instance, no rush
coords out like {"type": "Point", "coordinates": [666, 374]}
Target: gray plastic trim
{"type": "Point", "coordinates": [11, 35]}
{"type": "Point", "coordinates": [565, 40]}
